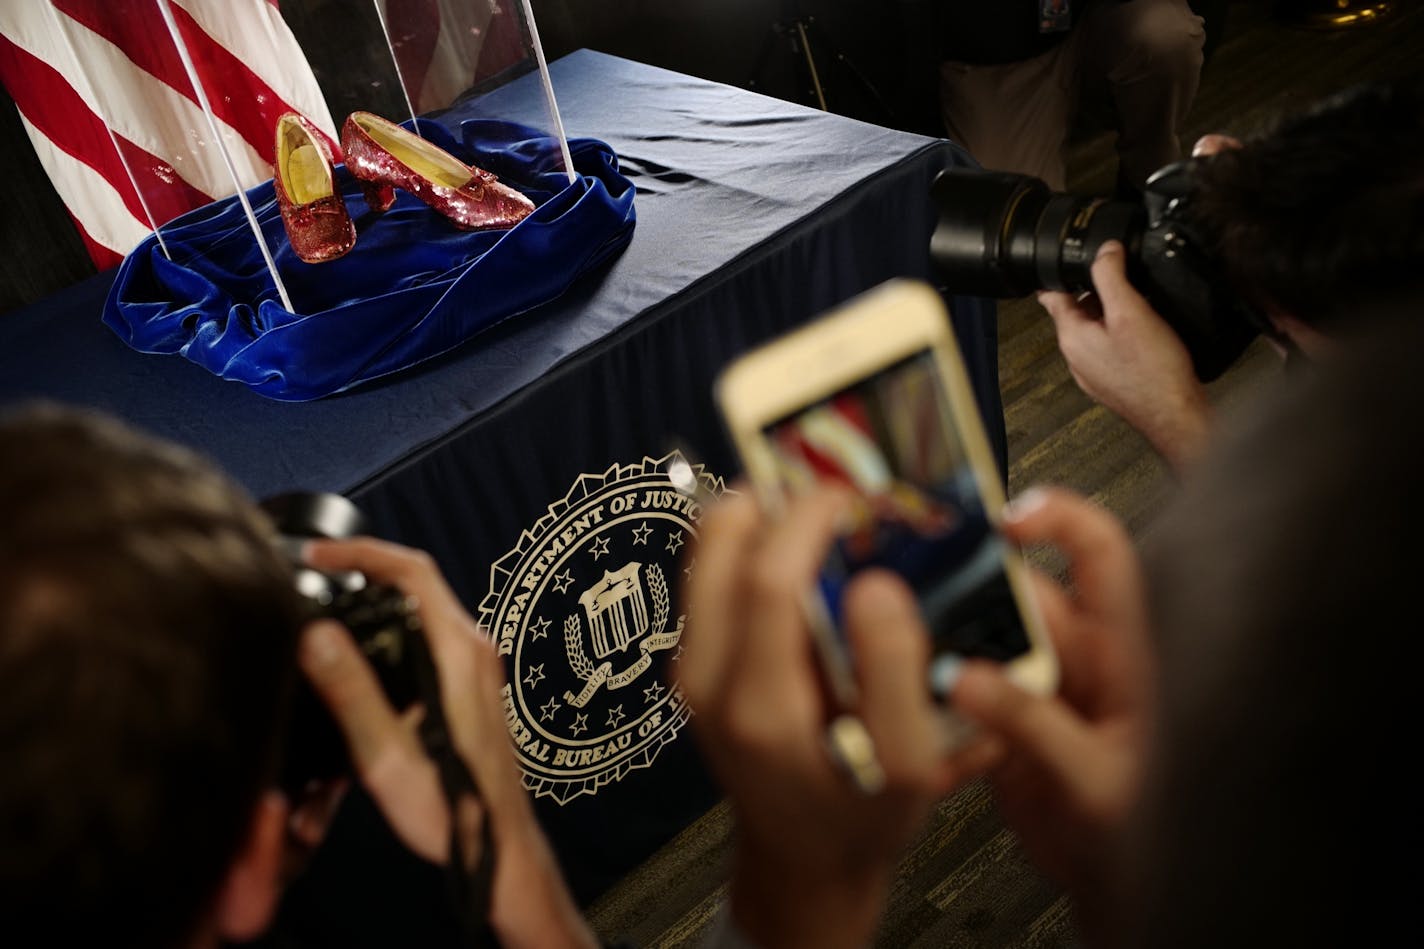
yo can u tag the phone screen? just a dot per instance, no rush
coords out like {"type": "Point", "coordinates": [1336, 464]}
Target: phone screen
{"type": "Point", "coordinates": [892, 440]}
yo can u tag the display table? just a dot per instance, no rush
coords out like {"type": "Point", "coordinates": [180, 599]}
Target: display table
{"type": "Point", "coordinates": [531, 461]}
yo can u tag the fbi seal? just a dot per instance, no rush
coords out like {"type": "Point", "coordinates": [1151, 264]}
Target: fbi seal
{"type": "Point", "coordinates": [582, 610]}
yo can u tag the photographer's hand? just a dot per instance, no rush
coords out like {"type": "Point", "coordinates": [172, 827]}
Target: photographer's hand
{"type": "Point", "coordinates": [1072, 769]}
{"type": "Point", "coordinates": [530, 905]}
{"type": "Point", "coordinates": [1125, 357]}
{"type": "Point", "coordinates": [1214, 143]}
{"type": "Point", "coordinates": [814, 853]}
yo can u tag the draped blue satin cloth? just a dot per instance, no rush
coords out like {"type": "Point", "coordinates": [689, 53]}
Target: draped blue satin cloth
{"type": "Point", "coordinates": [412, 288]}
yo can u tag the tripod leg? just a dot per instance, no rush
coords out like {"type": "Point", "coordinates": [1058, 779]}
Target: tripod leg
{"type": "Point", "coordinates": [811, 65]}
{"type": "Point", "coordinates": [813, 29]}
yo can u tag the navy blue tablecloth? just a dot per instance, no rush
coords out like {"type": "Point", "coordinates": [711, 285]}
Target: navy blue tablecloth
{"type": "Point", "coordinates": [531, 461]}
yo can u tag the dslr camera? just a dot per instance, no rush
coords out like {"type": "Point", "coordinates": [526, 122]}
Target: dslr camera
{"type": "Point", "coordinates": [1005, 235]}
{"type": "Point", "coordinates": [381, 618]}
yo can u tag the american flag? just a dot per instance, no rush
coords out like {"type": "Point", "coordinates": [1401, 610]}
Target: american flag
{"type": "Point", "coordinates": [132, 84]}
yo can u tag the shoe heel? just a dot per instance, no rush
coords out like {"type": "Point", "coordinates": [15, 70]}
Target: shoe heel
{"type": "Point", "coordinates": [379, 195]}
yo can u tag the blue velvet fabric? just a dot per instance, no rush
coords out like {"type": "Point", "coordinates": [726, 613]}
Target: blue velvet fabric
{"type": "Point", "coordinates": [413, 287]}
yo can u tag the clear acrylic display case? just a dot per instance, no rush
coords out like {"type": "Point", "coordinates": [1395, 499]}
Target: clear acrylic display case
{"type": "Point", "coordinates": [224, 71]}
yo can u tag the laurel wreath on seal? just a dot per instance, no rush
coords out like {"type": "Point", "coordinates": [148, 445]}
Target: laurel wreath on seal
{"type": "Point", "coordinates": [573, 645]}
{"type": "Point", "coordinates": [573, 628]}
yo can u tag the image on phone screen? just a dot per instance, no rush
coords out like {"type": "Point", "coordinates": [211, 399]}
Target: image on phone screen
{"type": "Point", "coordinates": [891, 440]}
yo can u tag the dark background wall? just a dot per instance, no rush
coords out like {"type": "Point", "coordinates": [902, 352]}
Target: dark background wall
{"type": "Point", "coordinates": [866, 52]}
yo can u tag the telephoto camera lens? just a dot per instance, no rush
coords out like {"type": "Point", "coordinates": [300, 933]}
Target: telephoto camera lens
{"type": "Point", "coordinates": [381, 619]}
{"type": "Point", "coordinates": [1005, 235]}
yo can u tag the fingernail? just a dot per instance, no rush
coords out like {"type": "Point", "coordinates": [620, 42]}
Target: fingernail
{"type": "Point", "coordinates": [1213, 144]}
{"type": "Point", "coordinates": [320, 646]}
{"type": "Point", "coordinates": [1025, 504]}
{"type": "Point", "coordinates": [1109, 247]}
{"type": "Point", "coordinates": [945, 671]}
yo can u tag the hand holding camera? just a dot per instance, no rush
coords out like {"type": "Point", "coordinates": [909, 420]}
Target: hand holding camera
{"type": "Point", "coordinates": [529, 904]}
{"type": "Point", "coordinates": [1142, 307]}
{"type": "Point", "coordinates": [385, 619]}
{"type": "Point", "coordinates": [1007, 235]}
{"type": "Point", "coordinates": [1124, 357]}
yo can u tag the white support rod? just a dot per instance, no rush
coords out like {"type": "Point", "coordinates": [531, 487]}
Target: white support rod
{"type": "Point", "coordinates": [167, 13]}
{"type": "Point", "coordinates": [549, 91]}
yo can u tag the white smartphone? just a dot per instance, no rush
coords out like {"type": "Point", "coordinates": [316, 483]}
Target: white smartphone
{"type": "Point", "coordinates": [874, 397]}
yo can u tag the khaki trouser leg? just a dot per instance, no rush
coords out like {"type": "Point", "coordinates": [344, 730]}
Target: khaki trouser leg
{"type": "Point", "coordinates": [1013, 117]}
{"type": "Point", "coordinates": [1145, 55]}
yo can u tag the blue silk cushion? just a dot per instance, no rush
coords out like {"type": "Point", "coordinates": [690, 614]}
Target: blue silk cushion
{"type": "Point", "coordinates": [414, 286]}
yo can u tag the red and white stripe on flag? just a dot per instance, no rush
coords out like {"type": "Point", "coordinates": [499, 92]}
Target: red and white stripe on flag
{"type": "Point", "coordinates": [132, 84]}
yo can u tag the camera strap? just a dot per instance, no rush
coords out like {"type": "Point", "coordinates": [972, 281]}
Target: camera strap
{"type": "Point", "coordinates": [468, 886]}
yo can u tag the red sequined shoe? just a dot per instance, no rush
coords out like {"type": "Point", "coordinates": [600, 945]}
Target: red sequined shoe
{"type": "Point", "coordinates": [383, 156]}
{"type": "Point", "coordinates": [313, 210]}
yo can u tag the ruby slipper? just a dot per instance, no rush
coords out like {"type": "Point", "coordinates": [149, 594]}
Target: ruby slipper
{"type": "Point", "coordinates": [383, 156]}
{"type": "Point", "coordinates": [313, 211]}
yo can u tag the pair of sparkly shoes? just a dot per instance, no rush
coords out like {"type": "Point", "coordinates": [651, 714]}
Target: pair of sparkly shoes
{"type": "Point", "coordinates": [382, 156]}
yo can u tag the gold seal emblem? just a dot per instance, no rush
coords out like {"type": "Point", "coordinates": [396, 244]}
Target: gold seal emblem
{"type": "Point", "coordinates": [582, 611]}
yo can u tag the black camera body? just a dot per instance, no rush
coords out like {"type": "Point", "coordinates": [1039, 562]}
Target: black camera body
{"type": "Point", "coordinates": [1005, 235]}
{"type": "Point", "coordinates": [381, 619]}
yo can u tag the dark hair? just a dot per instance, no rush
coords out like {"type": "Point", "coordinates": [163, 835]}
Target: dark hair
{"type": "Point", "coordinates": [147, 639]}
{"type": "Point", "coordinates": [1284, 591]}
{"type": "Point", "coordinates": [1326, 210]}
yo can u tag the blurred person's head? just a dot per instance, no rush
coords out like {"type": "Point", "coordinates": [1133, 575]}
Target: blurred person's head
{"type": "Point", "coordinates": [147, 634]}
{"type": "Point", "coordinates": [1324, 211]}
{"type": "Point", "coordinates": [1284, 593]}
